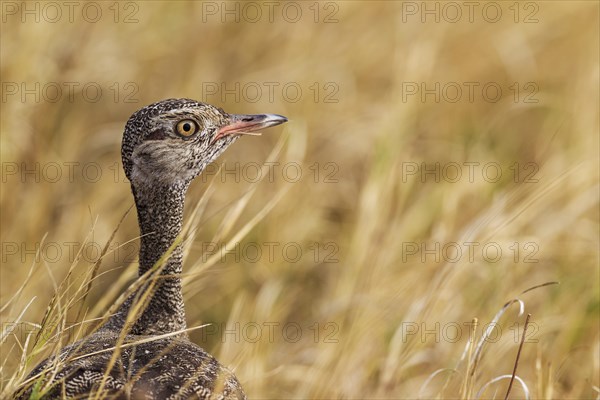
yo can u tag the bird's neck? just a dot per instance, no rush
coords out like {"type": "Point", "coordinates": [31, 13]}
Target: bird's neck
{"type": "Point", "coordinates": [160, 216]}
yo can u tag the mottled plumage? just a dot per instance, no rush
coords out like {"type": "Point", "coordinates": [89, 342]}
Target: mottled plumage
{"type": "Point", "coordinates": [165, 146]}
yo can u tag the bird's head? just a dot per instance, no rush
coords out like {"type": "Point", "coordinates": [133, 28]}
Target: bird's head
{"type": "Point", "coordinates": [172, 141]}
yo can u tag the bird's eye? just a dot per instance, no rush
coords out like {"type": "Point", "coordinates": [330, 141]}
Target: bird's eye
{"type": "Point", "coordinates": [186, 127]}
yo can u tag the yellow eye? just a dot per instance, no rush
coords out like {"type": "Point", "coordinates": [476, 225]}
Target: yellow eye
{"type": "Point", "coordinates": [186, 127]}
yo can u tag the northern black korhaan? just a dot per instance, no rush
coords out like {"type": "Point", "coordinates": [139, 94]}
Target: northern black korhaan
{"type": "Point", "coordinates": [165, 146]}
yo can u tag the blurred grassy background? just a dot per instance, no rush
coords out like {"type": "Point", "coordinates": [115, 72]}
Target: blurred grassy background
{"type": "Point", "coordinates": [361, 130]}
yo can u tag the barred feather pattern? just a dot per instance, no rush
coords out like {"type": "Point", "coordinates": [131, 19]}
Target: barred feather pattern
{"type": "Point", "coordinates": [160, 369]}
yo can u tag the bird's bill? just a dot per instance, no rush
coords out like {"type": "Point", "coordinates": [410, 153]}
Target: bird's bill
{"type": "Point", "coordinates": [248, 124]}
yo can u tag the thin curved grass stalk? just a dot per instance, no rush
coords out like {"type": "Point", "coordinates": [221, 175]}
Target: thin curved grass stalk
{"type": "Point", "coordinates": [71, 301]}
{"type": "Point", "coordinates": [44, 385]}
{"type": "Point", "coordinates": [193, 223]}
{"type": "Point", "coordinates": [468, 381]}
{"type": "Point", "coordinates": [540, 286]}
{"type": "Point", "coordinates": [501, 377]}
{"type": "Point", "coordinates": [120, 285]}
{"type": "Point", "coordinates": [3, 383]}
{"type": "Point", "coordinates": [17, 294]}
{"type": "Point", "coordinates": [431, 377]}
{"type": "Point", "coordinates": [146, 339]}
{"type": "Point", "coordinates": [6, 389]}
{"type": "Point", "coordinates": [23, 363]}
{"type": "Point", "coordinates": [234, 315]}
{"type": "Point", "coordinates": [78, 325]}
{"type": "Point", "coordinates": [514, 373]}
{"type": "Point", "coordinates": [6, 331]}
{"type": "Point", "coordinates": [98, 262]}
{"type": "Point", "coordinates": [59, 291]}
{"type": "Point", "coordinates": [556, 184]}
{"type": "Point", "coordinates": [490, 328]}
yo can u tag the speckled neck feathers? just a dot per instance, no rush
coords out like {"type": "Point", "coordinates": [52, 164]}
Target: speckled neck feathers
{"type": "Point", "coordinates": [160, 216]}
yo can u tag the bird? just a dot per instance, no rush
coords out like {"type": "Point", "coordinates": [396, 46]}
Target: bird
{"type": "Point", "coordinates": [142, 350]}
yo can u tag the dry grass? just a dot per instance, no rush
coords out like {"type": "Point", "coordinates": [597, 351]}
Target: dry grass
{"type": "Point", "coordinates": [377, 322]}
